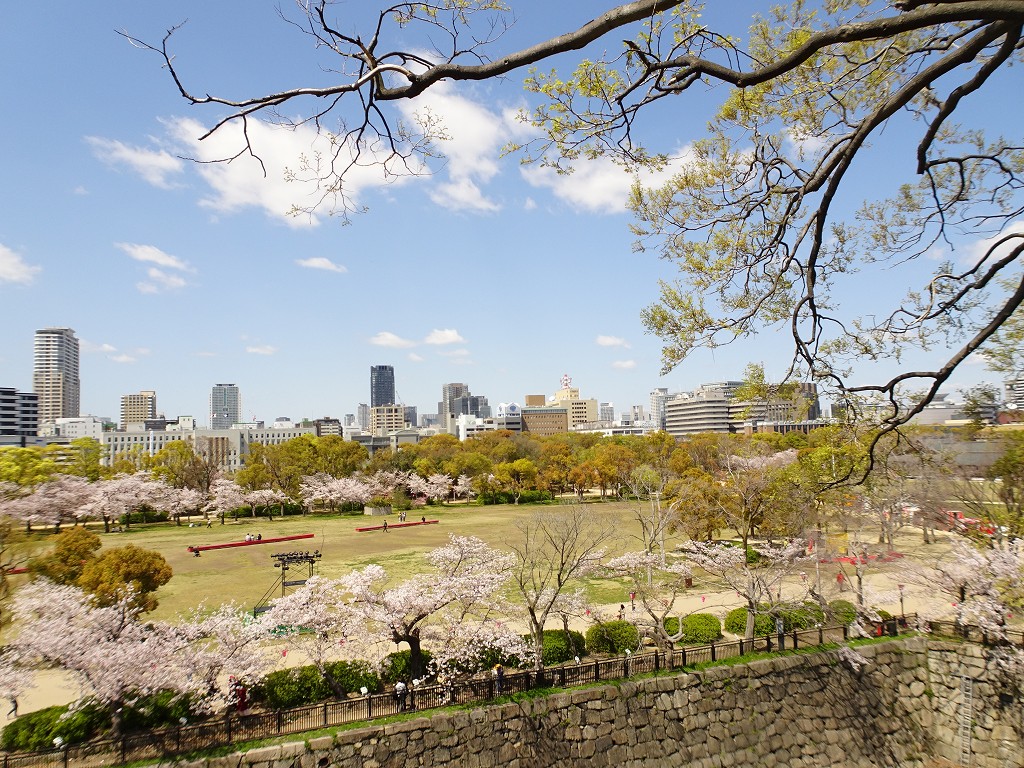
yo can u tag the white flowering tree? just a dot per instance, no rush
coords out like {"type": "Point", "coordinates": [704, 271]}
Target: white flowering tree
{"type": "Point", "coordinates": [123, 494]}
{"type": "Point", "coordinates": [462, 586]}
{"type": "Point", "coordinates": [62, 499]}
{"type": "Point", "coordinates": [112, 655]}
{"type": "Point", "coordinates": [657, 587]}
{"type": "Point", "coordinates": [225, 495]}
{"type": "Point", "coordinates": [324, 489]}
{"type": "Point", "coordinates": [314, 623]}
{"type": "Point", "coordinates": [462, 488]}
{"type": "Point", "coordinates": [759, 579]}
{"type": "Point", "coordinates": [212, 647]}
{"type": "Point", "coordinates": [266, 498]}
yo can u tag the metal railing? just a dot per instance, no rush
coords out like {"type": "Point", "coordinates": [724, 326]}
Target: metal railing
{"type": "Point", "coordinates": [241, 727]}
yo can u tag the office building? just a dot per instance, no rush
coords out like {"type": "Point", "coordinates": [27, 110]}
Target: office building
{"type": "Point", "coordinates": [579, 410]}
{"type": "Point", "coordinates": [225, 406]}
{"type": "Point", "coordinates": [19, 417]}
{"type": "Point", "coordinates": [385, 419]}
{"type": "Point", "coordinates": [382, 385]}
{"type": "Point", "coordinates": [137, 409]}
{"type": "Point", "coordinates": [363, 416]}
{"type": "Point", "coordinates": [55, 374]}
{"type": "Point", "coordinates": [658, 398]}
{"type": "Point", "coordinates": [606, 412]}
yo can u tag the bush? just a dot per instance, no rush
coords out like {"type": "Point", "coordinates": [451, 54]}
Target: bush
{"type": "Point", "coordinates": [805, 617]}
{"type": "Point", "coordinates": [396, 666]}
{"type": "Point", "coordinates": [843, 611]}
{"type": "Point", "coordinates": [289, 688]}
{"type": "Point", "coordinates": [701, 629]}
{"type": "Point", "coordinates": [559, 647]}
{"type": "Point", "coordinates": [156, 710]}
{"type": "Point", "coordinates": [612, 637]}
{"type": "Point", "coordinates": [736, 622]}
{"type": "Point", "coordinates": [37, 730]}
{"type": "Point", "coordinates": [145, 516]}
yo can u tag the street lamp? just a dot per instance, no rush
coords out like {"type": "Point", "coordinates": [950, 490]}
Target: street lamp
{"type": "Point", "coordinates": [902, 613]}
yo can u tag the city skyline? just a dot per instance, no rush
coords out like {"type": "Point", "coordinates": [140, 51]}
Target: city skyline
{"type": "Point", "coordinates": [177, 275]}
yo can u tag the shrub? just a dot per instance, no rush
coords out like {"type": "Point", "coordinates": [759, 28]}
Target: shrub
{"type": "Point", "coordinates": [805, 617]}
{"type": "Point", "coordinates": [37, 730]}
{"type": "Point", "coordinates": [843, 611]}
{"type": "Point", "coordinates": [736, 622]}
{"type": "Point", "coordinates": [156, 710]}
{"type": "Point", "coordinates": [612, 637]}
{"type": "Point", "coordinates": [289, 688]}
{"type": "Point", "coordinates": [559, 647]}
{"type": "Point", "coordinates": [701, 629]}
{"type": "Point", "coordinates": [397, 667]}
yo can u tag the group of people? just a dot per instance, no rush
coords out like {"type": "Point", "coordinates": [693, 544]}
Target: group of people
{"type": "Point", "coordinates": [401, 519]}
{"type": "Point", "coordinates": [254, 537]}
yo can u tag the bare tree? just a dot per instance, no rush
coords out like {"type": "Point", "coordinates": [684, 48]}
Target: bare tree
{"type": "Point", "coordinates": [553, 549]}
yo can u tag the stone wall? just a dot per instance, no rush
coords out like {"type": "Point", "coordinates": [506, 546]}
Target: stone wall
{"type": "Point", "coordinates": [810, 710]}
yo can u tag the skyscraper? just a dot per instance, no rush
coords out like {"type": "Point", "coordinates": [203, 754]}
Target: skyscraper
{"type": "Point", "coordinates": [55, 374]}
{"type": "Point", "coordinates": [136, 409]}
{"type": "Point", "coordinates": [382, 385]}
{"type": "Point", "coordinates": [225, 406]}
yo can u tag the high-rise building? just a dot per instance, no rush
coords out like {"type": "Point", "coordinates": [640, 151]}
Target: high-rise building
{"type": "Point", "coordinates": [55, 374]}
{"type": "Point", "coordinates": [1013, 394]}
{"type": "Point", "coordinates": [449, 392]}
{"type": "Point", "coordinates": [363, 416]}
{"type": "Point", "coordinates": [606, 412]}
{"type": "Point", "coordinates": [137, 409]}
{"type": "Point", "coordinates": [19, 417]}
{"type": "Point", "coordinates": [382, 385]}
{"type": "Point", "coordinates": [658, 398]}
{"type": "Point", "coordinates": [225, 406]}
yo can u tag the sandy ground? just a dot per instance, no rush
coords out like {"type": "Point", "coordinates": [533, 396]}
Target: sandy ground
{"type": "Point", "coordinates": [54, 687]}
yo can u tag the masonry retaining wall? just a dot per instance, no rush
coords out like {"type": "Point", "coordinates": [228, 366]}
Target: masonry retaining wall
{"type": "Point", "coordinates": [802, 711]}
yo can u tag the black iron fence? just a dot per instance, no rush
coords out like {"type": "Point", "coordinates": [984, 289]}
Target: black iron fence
{"type": "Point", "coordinates": [241, 727]}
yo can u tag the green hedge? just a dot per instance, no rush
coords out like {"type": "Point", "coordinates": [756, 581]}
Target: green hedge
{"type": "Point", "coordinates": [698, 628]}
{"type": "Point", "coordinates": [37, 730]}
{"type": "Point", "coordinates": [736, 622]}
{"type": "Point", "coordinates": [289, 688]}
{"type": "Point", "coordinates": [612, 637]}
{"type": "Point", "coordinates": [842, 611]}
{"type": "Point", "coordinates": [558, 647]}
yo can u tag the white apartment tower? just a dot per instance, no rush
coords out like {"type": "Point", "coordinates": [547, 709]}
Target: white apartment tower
{"type": "Point", "coordinates": [135, 409]}
{"type": "Point", "coordinates": [55, 374]}
{"type": "Point", "coordinates": [225, 406]}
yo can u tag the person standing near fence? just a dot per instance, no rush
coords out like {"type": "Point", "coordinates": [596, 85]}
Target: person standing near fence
{"type": "Point", "coordinates": [499, 677]}
{"type": "Point", "coordinates": [401, 692]}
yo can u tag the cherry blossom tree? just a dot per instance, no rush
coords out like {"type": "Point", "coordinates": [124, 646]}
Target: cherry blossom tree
{"type": "Point", "coordinates": [62, 499]}
{"type": "Point", "coordinates": [211, 647]}
{"type": "Point", "coordinates": [461, 586]}
{"type": "Point", "coordinates": [266, 498]}
{"type": "Point", "coordinates": [225, 495]}
{"type": "Point", "coordinates": [123, 494]}
{"type": "Point", "coordinates": [759, 583]}
{"type": "Point", "coordinates": [463, 487]}
{"type": "Point", "coordinates": [113, 656]}
{"type": "Point", "coordinates": [657, 586]}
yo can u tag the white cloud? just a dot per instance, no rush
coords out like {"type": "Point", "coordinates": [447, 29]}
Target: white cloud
{"type": "Point", "coordinates": [456, 353]}
{"type": "Point", "coordinates": [444, 336]}
{"type": "Point", "coordinates": [153, 255]}
{"type": "Point", "coordinates": [160, 281]}
{"type": "Point", "coordinates": [261, 349]}
{"type": "Point", "coordinates": [293, 160]}
{"type": "Point", "coordinates": [415, 358]}
{"type": "Point", "coordinates": [388, 339]}
{"type": "Point", "coordinates": [88, 346]}
{"type": "Point", "coordinates": [155, 166]}
{"type": "Point", "coordinates": [977, 250]}
{"type": "Point", "coordinates": [530, 204]}
{"type": "Point", "coordinates": [206, 354]}
{"type": "Point", "coordinates": [123, 358]}
{"type": "Point", "coordinates": [624, 365]}
{"type": "Point", "coordinates": [473, 139]}
{"type": "Point", "coordinates": [14, 269]}
{"type": "Point", "coordinates": [599, 185]}
{"type": "Point", "coordinates": [611, 341]}
{"type": "Point", "coordinates": [320, 262]}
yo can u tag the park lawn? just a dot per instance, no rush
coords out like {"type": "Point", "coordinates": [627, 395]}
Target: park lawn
{"type": "Point", "coordinates": [244, 575]}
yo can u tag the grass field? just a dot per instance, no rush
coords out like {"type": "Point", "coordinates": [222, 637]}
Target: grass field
{"type": "Point", "coordinates": [245, 574]}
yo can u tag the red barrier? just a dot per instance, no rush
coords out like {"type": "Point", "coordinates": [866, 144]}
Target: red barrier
{"type": "Point", "coordinates": [397, 525]}
{"type": "Point", "coordinates": [206, 547]}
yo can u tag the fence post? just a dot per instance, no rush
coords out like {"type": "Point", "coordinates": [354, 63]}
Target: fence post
{"type": "Point", "coordinates": [227, 726]}
{"type": "Point", "coordinates": [369, 706]}
{"type": "Point", "coordinates": [684, 656]}
{"type": "Point", "coordinates": [741, 646]}
{"type": "Point", "coordinates": [846, 632]}
{"type": "Point", "coordinates": [66, 750]}
{"type": "Point", "coordinates": [280, 720]}
{"type": "Point", "coordinates": [657, 660]}
{"type": "Point", "coordinates": [821, 635]}
{"type": "Point", "coordinates": [597, 670]}
{"type": "Point", "coordinates": [796, 640]}
{"type": "Point", "coordinates": [124, 750]}
{"type": "Point", "coordinates": [713, 656]}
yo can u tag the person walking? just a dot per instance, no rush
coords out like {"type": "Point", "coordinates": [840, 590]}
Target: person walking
{"type": "Point", "coordinates": [385, 526]}
{"type": "Point", "coordinates": [401, 691]}
{"type": "Point", "coordinates": [13, 711]}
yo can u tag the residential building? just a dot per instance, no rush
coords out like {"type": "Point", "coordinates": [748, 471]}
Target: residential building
{"type": "Point", "coordinates": [349, 420]}
{"type": "Point", "coordinates": [19, 418]}
{"type": "Point", "coordinates": [1013, 394]}
{"type": "Point", "coordinates": [382, 385]}
{"type": "Point", "coordinates": [386, 418]}
{"type": "Point", "coordinates": [55, 376]}
{"type": "Point", "coordinates": [638, 414]}
{"type": "Point", "coordinates": [658, 398]}
{"type": "Point", "coordinates": [225, 406]}
{"type": "Point", "coordinates": [363, 416]}
{"type": "Point", "coordinates": [327, 426]}
{"type": "Point", "coordinates": [606, 412]}
{"type": "Point", "coordinates": [136, 409]}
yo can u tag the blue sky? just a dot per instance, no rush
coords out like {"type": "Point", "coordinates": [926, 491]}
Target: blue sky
{"type": "Point", "coordinates": [177, 276]}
